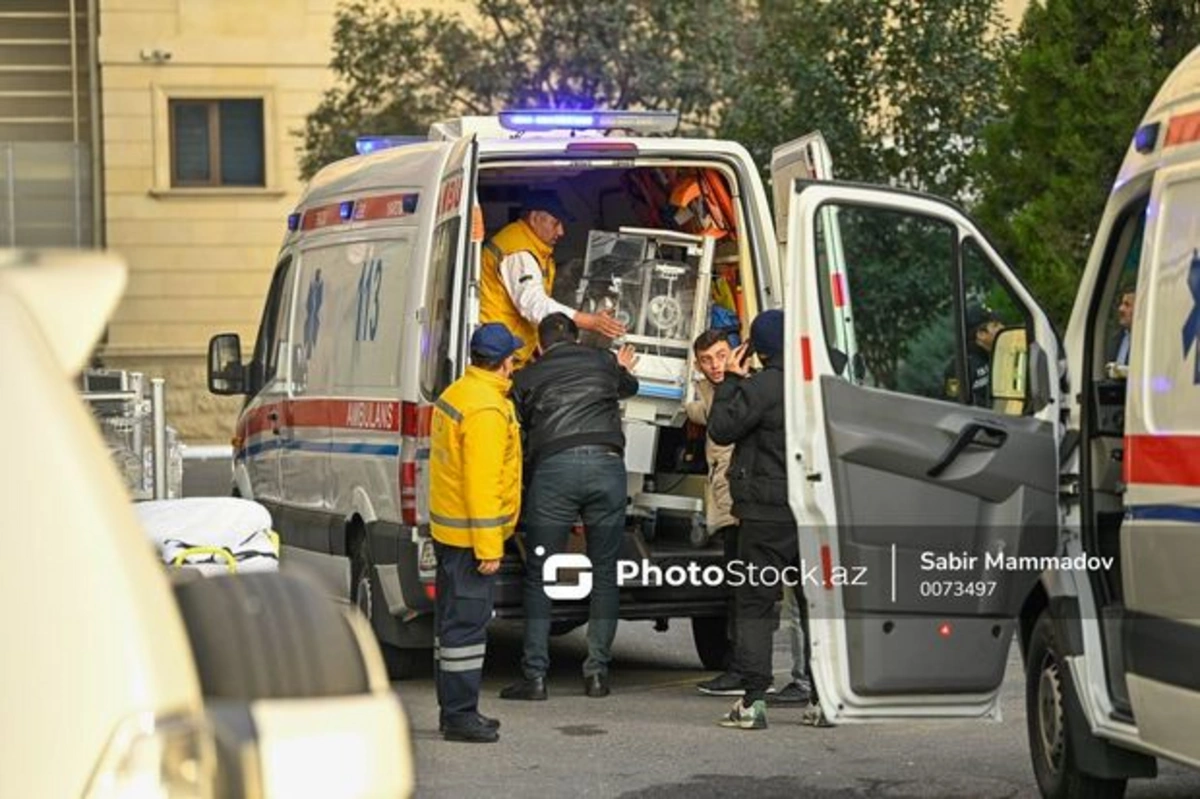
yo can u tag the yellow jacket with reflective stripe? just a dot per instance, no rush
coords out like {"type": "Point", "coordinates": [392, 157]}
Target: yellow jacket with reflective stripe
{"type": "Point", "coordinates": [475, 464]}
{"type": "Point", "coordinates": [495, 305]}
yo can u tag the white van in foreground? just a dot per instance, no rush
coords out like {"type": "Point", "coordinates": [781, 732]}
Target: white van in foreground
{"type": "Point", "coordinates": [118, 680]}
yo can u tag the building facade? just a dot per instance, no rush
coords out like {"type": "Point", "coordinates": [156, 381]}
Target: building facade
{"type": "Point", "coordinates": [201, 102]}
{"type": "Point", "coordinates": [190, 175]}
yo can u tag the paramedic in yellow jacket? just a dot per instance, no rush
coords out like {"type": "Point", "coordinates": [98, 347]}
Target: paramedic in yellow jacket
{"type": "Point", "coordinates": [475, 497]}
{"type": "Point", "coordinates": [517, 275]}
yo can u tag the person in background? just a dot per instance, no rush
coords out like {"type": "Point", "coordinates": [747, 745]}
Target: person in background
{"type": "Point", "coordinates": [1119, 352]}
{"type": "Point", "coordinates": [517, 275]}
{"type": "Point", "coordinates": [567, 401]}
{"type": "Point", "coordinates": [982, 328]}
{"type": "Point", "coordinates": [474, 501]}
{"type": "Point", "coordinates": [712, 352]}
{"type": "Point", "coordinates": [748, 412]}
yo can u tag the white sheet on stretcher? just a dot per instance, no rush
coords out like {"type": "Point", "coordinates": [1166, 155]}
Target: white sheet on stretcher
{"type": "Point", "coordinates": [239, 528]}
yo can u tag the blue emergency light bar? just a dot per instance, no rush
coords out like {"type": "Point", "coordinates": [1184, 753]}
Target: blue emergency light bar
{"type": "Point", "coordinates": [552, 119]}
{"type": "Point", "coordinates": [365, 145]}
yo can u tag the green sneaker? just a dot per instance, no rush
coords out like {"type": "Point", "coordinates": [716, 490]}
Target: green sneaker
{"type": "Point", "coordinates": [747, 718]}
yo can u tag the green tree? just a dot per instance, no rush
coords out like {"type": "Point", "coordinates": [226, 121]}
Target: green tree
{"type": "Point", "coordinates": [398, 71]}
{"type": "Point", "coordinates": [901, 91]}
{"type": "Point", "coordinates": [1075, 88]}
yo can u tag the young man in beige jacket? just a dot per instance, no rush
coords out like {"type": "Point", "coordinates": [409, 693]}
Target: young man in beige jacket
{"type": "Point", "coordinates": [712, 351]}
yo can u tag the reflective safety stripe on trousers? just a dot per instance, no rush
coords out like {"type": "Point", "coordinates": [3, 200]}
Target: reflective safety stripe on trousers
{"type": "Point", "coordinates": [460, 658]}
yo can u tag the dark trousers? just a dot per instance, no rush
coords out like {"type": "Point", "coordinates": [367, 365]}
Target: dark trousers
{"type": "Point", "coordinates": [761, 544]}
{"type": "Point", "coordinates": [463, 608]}
{"type": "Point", "coordinates": [585, 483]}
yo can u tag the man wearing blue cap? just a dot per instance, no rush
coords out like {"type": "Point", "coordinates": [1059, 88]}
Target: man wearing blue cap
{"type": "Point", "coordinates": [748, 412]}
{"type": "Point", "coordinates": [474, 501]}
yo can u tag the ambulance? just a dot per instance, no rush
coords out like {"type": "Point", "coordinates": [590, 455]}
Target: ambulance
{"type": "Point", "coordinates": [1064, 511]}
{"type": "Point", "coordinates": [373, 301]}
{"type": "Point", "coordinates": [1061, 511]}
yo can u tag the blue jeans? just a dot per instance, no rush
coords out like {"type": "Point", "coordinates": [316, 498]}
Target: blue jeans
{"type": "Point", "coordinates": [585, 483]}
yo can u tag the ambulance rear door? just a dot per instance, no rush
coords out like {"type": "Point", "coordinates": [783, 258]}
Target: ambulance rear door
{"type": "Point", "coordinates": [1160, 535]}
{"type": "Point", "coordinates": [913, 490]}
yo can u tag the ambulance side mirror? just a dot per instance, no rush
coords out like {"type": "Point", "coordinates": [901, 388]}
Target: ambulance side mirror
{"type": "Point", "coordinates": [226, 373]}
{"type": "Point", "coordinates": [1020, 373]}
{"type": "Point", "coordinates": [1010, 355]}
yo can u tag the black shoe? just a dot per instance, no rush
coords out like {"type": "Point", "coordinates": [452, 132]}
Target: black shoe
{"type": "Point", "coordinates": [529, 689]}
{"type": "Point", "coordinates": [596, 685]}
{"type": "Point", "coordinates": [727, 684]}
{"type": "Point", "coordinates": [487, 721]}
{"type": "Point", "coordinates": [797, 692]}
{"type": "Point", "coordinates": [472, 731]}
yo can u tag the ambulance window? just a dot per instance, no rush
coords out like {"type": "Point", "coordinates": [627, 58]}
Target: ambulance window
{"type": "Point", "coordinates": [899, 268]}
{"type": "Point", "coordinates": [437, 369]}
{"type": "Point", "coordinates": [273, 332]}
{"type": "Point", "coordinates": [989, 306]}
{"type": "Point", "coordinates": [1168, 360]}
{"type": "Point", "coordinates": [1111, 340]}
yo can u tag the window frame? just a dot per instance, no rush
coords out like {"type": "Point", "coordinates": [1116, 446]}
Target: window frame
{"type": "Point", "coordinates": [163, 140]}
{"type": "Point", "coordinates": [215, 176]}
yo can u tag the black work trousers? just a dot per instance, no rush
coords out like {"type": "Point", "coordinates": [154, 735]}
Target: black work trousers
{"type": "Point", "coordinates": [773, 546]}
{"type": "Point", "coordinates": [463, 608]}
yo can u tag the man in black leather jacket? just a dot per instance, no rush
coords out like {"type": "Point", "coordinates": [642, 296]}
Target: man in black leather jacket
{"type": "Point", "coordinates": [567, 403]}
{"type": "Point", "coordinates": [748, 412]}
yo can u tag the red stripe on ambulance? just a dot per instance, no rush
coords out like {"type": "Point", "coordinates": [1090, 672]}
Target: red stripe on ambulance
{"type": "Point", "coordinates": [1162, 460]}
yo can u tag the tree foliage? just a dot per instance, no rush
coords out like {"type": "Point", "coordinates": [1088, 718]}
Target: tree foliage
{"type": "Point", "coordinates": [901, 90]}
{"type": "Point", "coordinates": [1075, 88]}
{"type": "Point", "coordinates": [398, 71]}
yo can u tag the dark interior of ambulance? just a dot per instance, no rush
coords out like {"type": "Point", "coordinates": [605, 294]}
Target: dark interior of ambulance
{"type": "Point", "coordinates": [691, 200]}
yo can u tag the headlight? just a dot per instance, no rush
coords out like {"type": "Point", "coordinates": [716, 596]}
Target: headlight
{"type": "Point", "coordinates": [157, 757]}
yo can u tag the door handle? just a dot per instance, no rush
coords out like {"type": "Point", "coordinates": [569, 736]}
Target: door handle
{"type": "Point", "coordinates": [273, 417]}
{"type": "Point", "coordinates": [980, 434]}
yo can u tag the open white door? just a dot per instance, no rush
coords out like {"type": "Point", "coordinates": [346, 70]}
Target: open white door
{"type": "Point", "coordinates": [455, 262]}
{"type": "Point", "coordinates": [1160, 535]}
{"type": "Point", "coordinates": [912, 491]}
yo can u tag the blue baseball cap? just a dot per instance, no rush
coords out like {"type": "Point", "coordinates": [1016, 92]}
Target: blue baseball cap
{"type": "Point", "coordinates": [494, 342]}
{"type": "Point", "coordinates": [544, 200]}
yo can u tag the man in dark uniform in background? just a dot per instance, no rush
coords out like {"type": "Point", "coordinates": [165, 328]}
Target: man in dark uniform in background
{"type": "Point", "coordinates": [982, 328]}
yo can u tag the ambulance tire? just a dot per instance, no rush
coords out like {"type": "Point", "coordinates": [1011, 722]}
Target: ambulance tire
{"type": "Point", "coordinates": [366, 594]}
{"type": "Point", "coordinates": [1050, 744]}
{"type": "Point", "coordinates": [269, 636]}
{"type": "Point", "coordinates": [710, 634]}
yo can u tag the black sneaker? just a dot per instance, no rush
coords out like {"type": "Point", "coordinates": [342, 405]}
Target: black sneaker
{"type": "Point", "coordinates": [727, 684]}
{"type": "Point", "coordinates": [797, 692]}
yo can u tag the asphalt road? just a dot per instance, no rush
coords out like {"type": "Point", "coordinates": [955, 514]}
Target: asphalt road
{"type": "Point", "coordinates": [656, 737]}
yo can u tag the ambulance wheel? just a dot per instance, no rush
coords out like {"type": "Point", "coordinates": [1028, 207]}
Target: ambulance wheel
{"type": "Point", "coordinates": [269, 636]}
{"type": "Point", "coordinates": [711, 637]}
{"type": "Point", "coordinates": [1050, 744]}
{"type": "Point", "coordinates": [365, 591]}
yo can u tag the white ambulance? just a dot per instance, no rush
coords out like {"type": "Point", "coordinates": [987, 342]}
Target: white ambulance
{"type": "Point", "coordinates": [1061, 509]}
{"type": "Point", "coordinates": [1064, 511]}
{"type": "Point", "coordinates": [373, 301]}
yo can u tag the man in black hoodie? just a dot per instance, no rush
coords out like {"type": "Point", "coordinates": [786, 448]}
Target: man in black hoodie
{"type": "Point", "coordinates": [567, 403]}
{"type": "Point", "coordinates": [748, 412]}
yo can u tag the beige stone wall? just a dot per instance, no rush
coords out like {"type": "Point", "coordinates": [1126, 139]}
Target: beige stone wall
{"type": "Point", "coordinates": [200, 259]}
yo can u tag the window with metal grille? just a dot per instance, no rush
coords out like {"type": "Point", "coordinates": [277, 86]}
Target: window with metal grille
{"type": "Point", "coordinates": [217, 143]}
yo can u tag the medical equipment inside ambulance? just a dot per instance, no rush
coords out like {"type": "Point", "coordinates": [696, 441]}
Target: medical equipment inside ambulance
{"type": "Point", "coordinates": [656, 283]}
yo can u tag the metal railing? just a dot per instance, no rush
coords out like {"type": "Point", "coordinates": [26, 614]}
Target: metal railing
{"type": "Point", "coordinates": [45, 194]}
